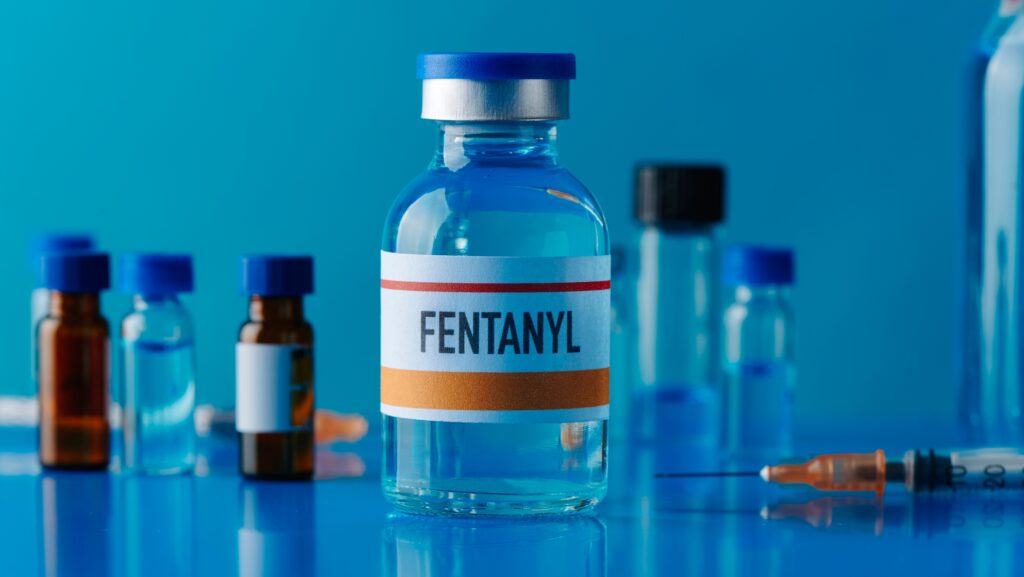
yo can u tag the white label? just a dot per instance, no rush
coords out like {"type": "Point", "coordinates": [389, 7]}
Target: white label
{"type": "Point", "coordinates": [494, 339]}
{"type": "Point", "coordinates": [268, 387]}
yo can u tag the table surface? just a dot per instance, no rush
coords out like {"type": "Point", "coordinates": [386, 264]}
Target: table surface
{"type": "Point", "coordinates": [214, 523]}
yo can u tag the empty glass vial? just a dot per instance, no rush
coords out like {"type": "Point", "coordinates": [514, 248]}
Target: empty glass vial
{"type": "Point", "coordinates": [678, 315]}
{"type": "Point", "coordinates": [1001, 407]}
{"type": "Point", "coordinates": [495, 282]}
{"type": "Point", "coordinates": [39, 246]}
{"type": "Point", "coordinates": [274, 370]}
{"type": "Point", "coordinates": [971, 395]}
{"type": "Point", "coordinates": [158, 388]}
{"type": "Point", "coordinates": [760, 338]}
{"type": "Point", "coordinates": [74, 363]}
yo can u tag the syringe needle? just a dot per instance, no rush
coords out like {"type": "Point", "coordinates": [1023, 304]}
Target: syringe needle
{"type": "Point", "coordinates": [707, 474]}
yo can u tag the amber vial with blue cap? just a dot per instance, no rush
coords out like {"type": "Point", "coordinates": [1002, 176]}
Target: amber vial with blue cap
{"type": "Point", "coordinates": [274, 370]}
{"type": "Point", "coordinates": [74, 363]}
{"type": "Point", "coordinates": [495, 282]}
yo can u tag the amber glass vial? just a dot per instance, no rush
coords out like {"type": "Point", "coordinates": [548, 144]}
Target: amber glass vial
{"type": "Point", "coordinates": [74, 363]}
{"type": "Point", "coordinates": [274, 370]}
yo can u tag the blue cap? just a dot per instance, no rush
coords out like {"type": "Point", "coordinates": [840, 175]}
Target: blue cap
{"type": "Point", "coordinates": [76, 272]}
{"type": "Point", "coordinates": [277, 276]}
{"type": "Point", "coordinates": [154, 274]}
{"type": "Point", "coordinates": [758, 265]}
{"type": "Point", "coordinates": [496, 66]}
{"type": "Point", "coordinates": [46, 243]}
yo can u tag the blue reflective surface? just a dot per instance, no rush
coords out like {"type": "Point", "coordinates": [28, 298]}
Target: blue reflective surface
{"type": "Point", "coordinates": [217, 524]}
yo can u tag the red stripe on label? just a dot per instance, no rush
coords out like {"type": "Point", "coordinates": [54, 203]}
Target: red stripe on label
{"type": "Point", "coordinates": [473, 287]}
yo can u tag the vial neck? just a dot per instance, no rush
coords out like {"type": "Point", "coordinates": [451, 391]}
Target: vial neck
{"type": "Point", "coordinates": [74, 305]}
{"type": "Point", "coordinates": [764, 293]}
{"type": "Point", "coordinates": [145, 301]}
{"type": "Point", "coordinates": [284, 309]}
{"type": "Point", "coordinates": [495, 143]}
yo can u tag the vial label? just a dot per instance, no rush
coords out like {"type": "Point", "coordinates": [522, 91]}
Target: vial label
{"type": "Point", "coordinates": [495, 339]}
{"type": "Point", "coordinates": [987, 470]}
{"type": "Point", "coordinates": [273, 388]}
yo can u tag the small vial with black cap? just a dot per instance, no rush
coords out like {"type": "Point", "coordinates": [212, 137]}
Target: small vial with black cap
{"type": "Point", "coordinates": [158, 385]}
{"type": "Point", "coordinates": [74, 364]}
{"type": "Point", "coordinates": [678, 317]}
{"type": "Point", "coordinates": [274, 370]}
{"type": "Point", "coordinates": [758, 349]}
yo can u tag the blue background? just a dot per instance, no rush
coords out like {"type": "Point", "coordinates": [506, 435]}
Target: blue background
{"type": "Point", "coordinates": [230, 127]}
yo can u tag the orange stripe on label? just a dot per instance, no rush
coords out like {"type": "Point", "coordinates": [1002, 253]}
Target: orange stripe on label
{"type": "Point", "coordinates": [493, 391]}
{"type": "Point", "coordinates": [481, 287]}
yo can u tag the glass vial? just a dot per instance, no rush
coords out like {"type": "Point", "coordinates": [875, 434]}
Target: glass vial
{"type": "Point", "coordinates": [678, 316]}
{"type": "Point", "coordinates": [970, 395]}
{"type": "Point", "coordinates": [1001, 407]}
{"type": "Point", "coordinates": [760, 338]}
{"type": "Point", "coordinates": [74, 363]}
{"type": "Point", "coordinates": [274, 370]}
{"type": "Point", "coordinates": [158, 388]}
{"type": "Point", "coordinates": [39, 246]}
{"type": "Point", "coordinates": [495, 282]}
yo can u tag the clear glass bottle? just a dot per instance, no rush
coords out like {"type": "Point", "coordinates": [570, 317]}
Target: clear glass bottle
{"type": "Point", "coordinates": [495, 204]}
{"type": "Point", "coordinates": [74, 363]}
{"type": "Point", "coordinates": [678, 315]}
{"type": "Point", "coordinates": [1001, 406]}
{"type": "Point", "coordinates": [970, 333]}
{"type": "Point", "coordinates": [158, 362]}
{"type": "Point", "coordinates": [759, 345]}
{"type": "Point", "coordinates": [39, 246]}
{"type": "Point", "coordinates": [274, 402]}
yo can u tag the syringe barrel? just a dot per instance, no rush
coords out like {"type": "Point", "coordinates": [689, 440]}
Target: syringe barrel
{"type": "Point", "coordinates": [992, 470]}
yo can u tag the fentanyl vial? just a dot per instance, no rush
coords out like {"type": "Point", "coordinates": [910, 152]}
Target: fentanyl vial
{"type": "Point", "coordinates": [158, 388]}
{"type": "Point", "coordinates": [495, 282]}
{"type": "Point", "coordinates": [678, 314]}
{"type": "Point", "coordinates": [759, 345]}
{"type": "Point", "coordinates": [274, 370]}
{"type": "Point", "coordinates": [39, 246]}
{"type": "Point", "coordinates": [74, 363]}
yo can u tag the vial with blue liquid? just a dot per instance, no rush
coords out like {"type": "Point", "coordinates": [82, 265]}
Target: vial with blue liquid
{"type": "Point", "coordinates": [759, 345]}
{"type": "Point", "coordinates": [495, 307]}
{"type": "Point", "coordinates": [157, 364]}
{"type": "Point", "coordinates": [677, 399]}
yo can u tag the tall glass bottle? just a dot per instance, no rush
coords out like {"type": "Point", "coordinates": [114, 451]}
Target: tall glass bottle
{"type": "Point", "coordinates": [495, 302]}
{"type": "Point", "coordinates": [158, 364]}
{"type": "Point", "coordinates": [274, 370]}
{"type": "Point", "coordinates": [40, 246]}
{"type": "Point", "coordinates": [74, 363]}
{"type": "Point", "coordinates": [759, 345]}
{"type": "Point", "coordinates": [971, 394]}
{"type": "Point", "coordinates": [1001, 377]}
{"type": "Point", "coordinates": [678, 309]}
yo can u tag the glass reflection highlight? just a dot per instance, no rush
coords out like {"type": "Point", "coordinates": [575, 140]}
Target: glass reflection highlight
{"type": "Point", "coordinates": [75, 508]}
{"type": "Point", "coordinates": [277, 533]}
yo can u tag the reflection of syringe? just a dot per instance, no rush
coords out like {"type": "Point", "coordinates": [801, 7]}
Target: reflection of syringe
{"type": "Point", "coordinates": [919, 471]}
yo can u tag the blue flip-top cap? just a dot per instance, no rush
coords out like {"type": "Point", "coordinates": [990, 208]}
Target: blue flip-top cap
{"type": "Point", "coordinates": [758, 266]}
{"type": "Point", "coordinates": [76, 272]}
{"type": "Point", "coordinates": [46, 243]}
{"type": "Point", "coordinates": [496, 66]}
{"type": "Point", "coordinates": [277, 276]}
{"type": "Point", "coordinates": [154, 273]}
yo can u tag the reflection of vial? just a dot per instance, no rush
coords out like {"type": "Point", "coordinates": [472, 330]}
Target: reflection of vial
{"type": "Point", "coordinates": [495, 302]}
{"type": "Point", "coordinates": [759, 344]}
{"type": "Point", "coordinates": [277, 533]}
{"type": "Point", "coordinates": [274, 370]}
{"type": "Point", "coordinates": [158, 364]}
{"type": "Point", "coordinates": [76, 524]}
{"type": "Point", "coordinates": [39, 246]}
{"type": "Point", "coordinates": [74, 365]}
{"type": "Point", "coordinates": [677, 303]}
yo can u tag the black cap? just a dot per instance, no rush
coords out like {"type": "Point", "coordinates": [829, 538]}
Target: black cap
{"type": "Point", "coordinates": [680, 194]}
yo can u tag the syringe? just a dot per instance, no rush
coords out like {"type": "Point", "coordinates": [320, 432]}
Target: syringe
{"type": "Point", "coordinates": [993, 469]}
